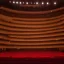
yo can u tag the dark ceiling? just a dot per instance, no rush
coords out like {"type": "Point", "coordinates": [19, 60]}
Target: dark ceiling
{"type": "Point", "coordinates": [32, 5]}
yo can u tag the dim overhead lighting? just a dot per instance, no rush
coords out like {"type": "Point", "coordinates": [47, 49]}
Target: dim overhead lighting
{"type": "Point", "coordinates": [13, 2]}
{"type": "Point", "coordinates": [20, 2]}
{"type": "Point", "coordinates": [17, 2]}
{"type": "Point", "coordinates": [23, 2]}
{"type": "Point", "coordinates": [36, 2]}
{"type": "Point", "coordinates": [26, 2]}
{"type": "Point", "coordinates": [9, 1]}
{"type": "Point", "coordinates": [31, 2]}
{"type": "Point", "coordinates": [47, 3]}
{"type": "Point", "coordinates": [55, 3]}
{"type": "Point", "coordinates": [42, 2]}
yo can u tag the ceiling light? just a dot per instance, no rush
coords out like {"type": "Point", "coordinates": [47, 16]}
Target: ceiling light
{"type": "Point", "coordinates": [20, 2]}
{"type": "Point", "coordinates": [31, 2]}
{"type": "Point", "coordinates": [16, 2]}
{"type": "Point", "coordinates": [13, 2]}
{"type": "Point", "coordinates": [42, 2]}
{"type": "Point", "coordinates": [47, 3]}
{"type": "Point", "coordinates": [26, 2]}
{"type": "Point", "coordinates": [9, 1]}
{"type": "Point", "coordinates": [23, 2]}
{"type": "Point", "coordinates": [55, 3]}
{"type": "Point", "coordinates": [36, 2]}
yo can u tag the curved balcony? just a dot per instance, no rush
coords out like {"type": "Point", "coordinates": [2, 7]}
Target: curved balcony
{"type": "Point", "coordinates": [33, 29]}
{"type": "Point", "coordinates": [33, 5]}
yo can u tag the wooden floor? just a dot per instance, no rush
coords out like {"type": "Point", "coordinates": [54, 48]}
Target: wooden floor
{"type": "Point", "coordinates": [19, 29]}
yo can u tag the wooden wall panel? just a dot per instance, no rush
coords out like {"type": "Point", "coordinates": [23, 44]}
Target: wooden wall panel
{"type": "Point", "coordinates": [36, 32]}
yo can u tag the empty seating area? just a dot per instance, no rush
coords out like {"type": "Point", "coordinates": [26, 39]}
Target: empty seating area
{"type": "Point", "coordinates": [34, 30]}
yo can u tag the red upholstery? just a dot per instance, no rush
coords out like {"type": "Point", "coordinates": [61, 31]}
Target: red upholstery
{"type": "Point", "coordinates": [31, 57]}
{"type": "Point", "coordinates": [32, 54]}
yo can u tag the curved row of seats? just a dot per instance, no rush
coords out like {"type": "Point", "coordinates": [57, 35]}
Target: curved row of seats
{"type": "Point", "coordinates": [30, 12]}
{"type": "Point", "coordinates": [23, 14]}
{"type": "Point", "coordinates": [26, 32]}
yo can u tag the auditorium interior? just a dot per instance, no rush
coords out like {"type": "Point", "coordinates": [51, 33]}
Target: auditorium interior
{"type": "Point", "coordinates": [32, 31]}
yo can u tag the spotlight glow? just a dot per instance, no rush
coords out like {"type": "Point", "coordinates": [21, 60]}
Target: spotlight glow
{"type": "Point", "coordinates": [42, 2]}
{"type": "Point", "coordinates": [9, 1]}
{"type": "Point", "coordinates": [13, 2]}
{"type": "Point", "coordinates": [26, 2]}
{"type": "Point", "coordinates": [55, 3]}
{"type": "Point", "coordinates": [20, 2]}
{"type": "Point", "coordinates": [36, 2]}
{"type": "Point", "coordinates": [23, 2]}
{"type": "Point", "coordinates": [47, 3]}
{"type": "Point", "coordinates": [17, 2]}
